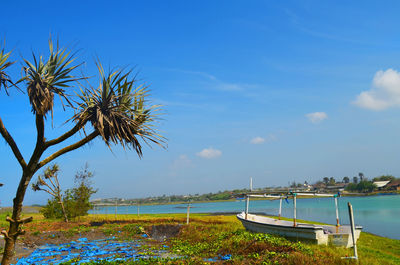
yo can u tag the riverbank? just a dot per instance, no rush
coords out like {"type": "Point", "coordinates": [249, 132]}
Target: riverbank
{"type": "Point", "coordinates": [342, 194]}
{"type": "Point", "coordinates": [213, 239]}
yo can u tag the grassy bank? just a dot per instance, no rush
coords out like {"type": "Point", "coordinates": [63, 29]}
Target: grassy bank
{"type": "Point", "coordinates": [209, 239]}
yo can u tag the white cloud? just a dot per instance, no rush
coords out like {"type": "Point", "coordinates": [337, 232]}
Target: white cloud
{"type": "Point", "coordinates": [261, 140]}
{"type": "Point", "coordinates": [209, 153]}
{"type": "Point", "coordinates": [181, 163]}
{"type": "Point", "coordinates": [257, 140]}
{"type": "Point", "coordinates": [317, 117]}
{"type": "Point", "coordinates": [385, 92]}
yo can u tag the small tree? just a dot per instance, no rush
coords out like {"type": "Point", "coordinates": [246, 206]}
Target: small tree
{"type": "Point", "coordinates": [355, 179]}
{"type": "Point", "coordinates": [82, 192]}
{"type": "Point", "coordinates": [361, 176]}
{"type": "Point", "coordinates": [117, 111]}
{"type": "Point", "coordinates": [76, 200]}
{"type": "Point", "coordinates": [346, 179]}
{"type": "Point", "coordinates": [52, 186]}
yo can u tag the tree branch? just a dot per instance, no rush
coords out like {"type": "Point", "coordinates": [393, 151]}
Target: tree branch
{"type": "Point", "coordinates": [6, 135]}
{"type": "Point", "coordinates": [68, 149]}
{"type": "Point", "coordinates": [65, 136]}
{"type": "Point", "coordinates": [49, 192]}
{"type": "Point", "coordinates": [39, 148]}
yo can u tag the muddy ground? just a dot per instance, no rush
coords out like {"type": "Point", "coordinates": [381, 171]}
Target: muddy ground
{"type": "Point", "coordinates": [39, 234]}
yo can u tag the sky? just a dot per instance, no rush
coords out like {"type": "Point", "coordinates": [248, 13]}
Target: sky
{"type": "Point", "coordinates": [279, 91]}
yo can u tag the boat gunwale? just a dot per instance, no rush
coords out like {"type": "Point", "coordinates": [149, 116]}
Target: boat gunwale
{"type": "Point", "coordinates": [310, 227]}
{"type": "Point", "coordinates": [306, 226]}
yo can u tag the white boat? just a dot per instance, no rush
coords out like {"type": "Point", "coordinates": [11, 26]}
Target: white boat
{"type": "Point", "coordinates": [339, 235]}
{"type": "Point", "coordinates": [314, 233]}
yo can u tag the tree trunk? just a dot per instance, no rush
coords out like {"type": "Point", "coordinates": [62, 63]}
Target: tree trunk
{"type": "Point", "coordinates": [14, 231]}
{"type": "Point", "coordinates": [62, 208]}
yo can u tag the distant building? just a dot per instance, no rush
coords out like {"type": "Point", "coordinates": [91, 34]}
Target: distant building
{"type": "Point", "coordinates": [336, 187]}
{"type": "Point", "coordinates": [381, 184]}
{"type": "Point", "coordinates": [394, 185]}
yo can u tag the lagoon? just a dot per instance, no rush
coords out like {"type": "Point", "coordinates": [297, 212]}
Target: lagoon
{"type": "Point", "coordinates": [379, 215]}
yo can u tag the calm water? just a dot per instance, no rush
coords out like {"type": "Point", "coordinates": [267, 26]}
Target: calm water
{"type": "Point", "coordinates": [377, 214]}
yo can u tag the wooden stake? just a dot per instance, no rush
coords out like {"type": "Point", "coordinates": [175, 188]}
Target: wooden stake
{"type": "Point", "coordinates": [294, 209]}
{"type": "Point", "coordinates": [337, 215]}
{"type": "Point", "coordinates": [187, 213]}
{"type": "Point", "coordinates": [280, 208]}
{"type": "Point", "coordinates": [247, 206]}
{"type": "Point", "coordinates": [352, 229]}
{"type": "Point", "coordinates": [116, 208]}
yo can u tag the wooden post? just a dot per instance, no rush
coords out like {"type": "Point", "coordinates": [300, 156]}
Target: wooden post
{"type": "Point", "coordinates": [294, 209]}
{"type": "Point", "coordinates": [116, 208]}
{"type": "Point", "coordinates": [337, 214]}
{"type": "Point", "coordinates": [187, 213]}
{"type": "Point", "coordinates": [352, 229]}
{"type": "Point", "coordinates": [280, 208]}
{"type": "Point", "coordinates": [138, 209]}
{"type": "Point", "coordinates": [251, 184]}
{"type": "Point", "coordinates": [247, 206]}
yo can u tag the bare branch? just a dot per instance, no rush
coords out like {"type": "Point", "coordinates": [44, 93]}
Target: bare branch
{"type": "Point", "coordinates": [6, 135]}
{"type": "Point", "coordinates": [49, 192]}
{"type": "Point", "coordinates": [65, 136]}
{"type": "Point", "coordinates": [68, 149]}
{"type": "Point", "coordinates": [26, 220]}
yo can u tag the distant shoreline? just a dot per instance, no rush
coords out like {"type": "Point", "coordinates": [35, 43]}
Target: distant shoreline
{"type": "Point", "coordinates": [254, 199]}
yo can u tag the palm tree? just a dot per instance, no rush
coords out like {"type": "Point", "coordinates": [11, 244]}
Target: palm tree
{"type": "Point", "coordinates": [346, 179]}
{"type": "Point", "coordinates": [355, 179]}
{"type": "Point", "coordinates": [332, 181]}
{"type": "Point", "coordinates": [5, 80]}
{"type": "Point", "coordinates": [326, 180]}
{"type": "Point", "coordinates": [117, 110]}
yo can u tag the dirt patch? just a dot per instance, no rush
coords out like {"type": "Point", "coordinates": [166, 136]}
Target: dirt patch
{"type": "Point", "coordinates": [163, 232]}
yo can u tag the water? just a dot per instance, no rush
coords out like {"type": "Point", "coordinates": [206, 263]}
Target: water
{"type": "Point", "coordinates": [379, 215]}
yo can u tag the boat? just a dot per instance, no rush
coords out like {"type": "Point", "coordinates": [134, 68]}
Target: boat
{"type": "Point", "coordinates": [337, 235]}
{"type": "Point", "coordinates": [313, 233]}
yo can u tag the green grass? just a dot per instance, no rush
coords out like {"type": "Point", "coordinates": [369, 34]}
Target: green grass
{"type": "Point", "coordinates": [214, 236]}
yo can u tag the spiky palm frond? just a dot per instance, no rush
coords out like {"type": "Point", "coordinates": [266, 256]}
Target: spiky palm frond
{"type": "Point", "coordinates": [5, 80]}
{"type": "Point", "coordinates": [118, 111]}
{"type": "Point", "coordinates": [48, 77]}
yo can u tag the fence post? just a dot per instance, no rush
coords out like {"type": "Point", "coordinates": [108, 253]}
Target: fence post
{"type": "Point", "coordinates": [294, 209]}
{"type": "Point", "coordinates": [187, 213]}
{"type": "Point", "coordinates": [116, 209]}
{"type": "Point", "coordinates": [247, 206]}
{"type": "Point", "coordinates": [352, 229]}
{"type": "Point", "coordinates": [337, 214]}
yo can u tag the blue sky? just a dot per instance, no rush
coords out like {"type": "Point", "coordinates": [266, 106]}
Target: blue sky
{"type": "Point", "coordinates": [275, 90]}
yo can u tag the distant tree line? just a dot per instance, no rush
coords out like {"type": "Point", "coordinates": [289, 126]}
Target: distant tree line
{"type": "Point", "coordinates": [359, 183]}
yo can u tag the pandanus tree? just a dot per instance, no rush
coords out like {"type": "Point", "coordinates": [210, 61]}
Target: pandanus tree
{"type": "Point", "coordinates": [117, 111]}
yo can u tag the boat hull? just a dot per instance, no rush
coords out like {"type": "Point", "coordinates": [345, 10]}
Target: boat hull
{"type": "Point", "coordinates": [317, 234]}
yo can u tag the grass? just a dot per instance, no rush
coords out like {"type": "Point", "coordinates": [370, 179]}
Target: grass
{"type": "Point", "coordinates": [210, 237]}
